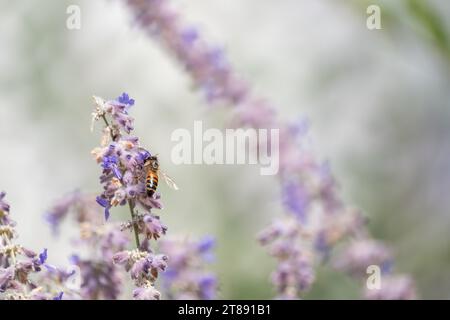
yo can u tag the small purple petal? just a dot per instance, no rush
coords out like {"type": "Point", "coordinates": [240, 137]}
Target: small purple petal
{"type": "Point", "coordinates": [295, 199]}
{"type": "Point", "coordinates": [107, 213]}
{"type": "Point", "coordinates": [74, 259]}
{"type": "Point", "coordinates": [43, 256]}
{"type": "Point", "coordinates": [206, 243]}
{"type": "Point", "coordinates": [189, 36]}
{"type": "Point", "coordinates": [102, 201]}
{"type": "Point", "coordinates": [59, 296]}
{"type": "Point", "coordinates": [117, 172]}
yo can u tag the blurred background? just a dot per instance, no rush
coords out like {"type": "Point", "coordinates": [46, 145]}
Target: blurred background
{"type": "Point", "coordinates": [378, 102]}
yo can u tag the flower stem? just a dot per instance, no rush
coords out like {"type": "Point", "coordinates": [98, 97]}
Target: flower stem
{"type": "Point", "coordinates": [9, 244]}
{"type": "Point", "coordinates": [108, 126]}
{"type": "Point", "coordinates": [133, 220]}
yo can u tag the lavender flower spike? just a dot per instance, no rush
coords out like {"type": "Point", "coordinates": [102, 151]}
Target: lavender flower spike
{"type": "Point", "coordinates": [18, 263]}
{"type": "Point", "coordinates": [123, 179]}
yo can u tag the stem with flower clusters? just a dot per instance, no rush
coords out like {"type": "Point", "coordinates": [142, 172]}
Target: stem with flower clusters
{"type": "Point", "coordinates": [123, 179]}
{"type": "Point", "coordinates": [131, 203]}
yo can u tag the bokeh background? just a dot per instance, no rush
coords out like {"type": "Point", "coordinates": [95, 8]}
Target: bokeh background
{"type": "Point", "coordinates": [377, 101]}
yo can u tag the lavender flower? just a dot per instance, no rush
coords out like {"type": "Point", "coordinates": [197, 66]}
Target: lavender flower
{"type": "Point", "coordinates": [360, 254]}
{"type": "Point", "coordinates": [207, 64]}
{"type": "Point", "coordinates": [61, 280]}
{"type": "Point", "coordinates": [100, 277]}
{"type": "Point", "coordinates": [123, 178]}
{"type": "Point", "coordinates": [295, 199]}
{"type": "Point", "coordinates": [399, 287]}
{"type": "Point", "coordinates": [18, 264]}
{"type": "Point", "coordinates": [186, 277]}
{"type": "Point", "coordinates": [147, 292]}
{"type": "Point", "coordinates": [122, 159]}
{"type": "Point", "coordinates": [82, 205]}
{"type": "Point", "coordinates": [295, 270]}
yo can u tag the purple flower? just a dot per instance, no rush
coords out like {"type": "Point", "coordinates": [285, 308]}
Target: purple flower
{"type": "Point", "coordinates": [146, 293]}
{"type": "Point", "coordinates": [152, 227]}
{"type": "Point", "coordinates": [206, 243]}
{"type": "Point", "coordinates": [105, 204]}
{"type": "Point", "coordinates": [59, 296]}
{"type": "Point", "coordinates": [43, 256]}
{"type": "Point", "coordinates": [100, 280]}
{"type": "Point", "coordinates": [186, 276]}
{"type": "Point", "coordinates": [295, 199]}
{"type": "Point", "coordinates": [189, 35]}
{"type": "Point", "coordinates": [122, 160]}
{"type": "Point", "coordinates": [82, 206]}
{"type": "Point", "coordinates": [143, 265]}
{"type": "Point", "coordinates": [110, 163]}
{"type": "Point", "coordinates": [20, 276]}
{"type": "Point", "coordinates": [360, 254]}
{"type": "Point", "coordinates": [74, 259]}
{"type": "Point", "coordinates": [142, 156]}
{"type": "Point", "coordinates": [61, 277]}
{"type": "Point", "coordinates": [4, 207]}
{"type": "Point", "coordinates": [208, 287]}
{"type": "Point", "coordinates": [123, 179]}
{"type": "Point", "coordinates": [399, 287]}
{"type": "Point", "coordinates": [121, 257]}
{"type": "Point", "coordinates": [125, 99]}
{"type": "Point", "coordinates": [6, 275]}
{"type": "Point", "coordinates": [294, 273]}
{"type": "Point", "coordinates": [207, 64]}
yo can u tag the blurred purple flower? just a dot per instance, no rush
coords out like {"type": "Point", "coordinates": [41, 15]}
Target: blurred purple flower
{"type": "Point", "coordinates": [186, 276]}
{"type": "Point", "coordinates": [360, 254]}
{"type": "Point", "coordinates": [100, 279]}
{"type": "Point", "coordinates": [80, 204]}
{"type": "Point", "coordinates": [206, 244]}
{"type": "Point", "coordinates": [19, 265]}
{"type": "Point", "coordinates": [207, 64]}
{"type": "Point", "coordinates": [4, 207]}
{"type": "Point", "coordinates": [399, 287]}
{"type": "Point", "coordinates": [295, 199]}
{"type": "Point", "coordinates": [189, 35]}
{"type": "Point", "coordinates": [294, 273]}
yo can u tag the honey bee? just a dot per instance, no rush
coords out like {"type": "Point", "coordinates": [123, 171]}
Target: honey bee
{"type": "Point", "coordinates": [151, 165]}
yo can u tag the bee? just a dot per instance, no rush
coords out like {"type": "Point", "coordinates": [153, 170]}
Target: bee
{"type": "Point", "coordinates": [151, 165]}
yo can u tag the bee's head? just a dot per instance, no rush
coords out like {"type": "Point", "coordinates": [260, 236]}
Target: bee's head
{"type": "Point", "coordinates": [152, 163]}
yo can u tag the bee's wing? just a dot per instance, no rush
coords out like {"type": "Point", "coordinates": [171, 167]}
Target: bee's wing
{"type": "Point", "coordinates": [169, 181]}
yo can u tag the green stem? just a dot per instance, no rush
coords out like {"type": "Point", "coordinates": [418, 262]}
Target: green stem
{"type": "Point", "coordinates": [133, 221]}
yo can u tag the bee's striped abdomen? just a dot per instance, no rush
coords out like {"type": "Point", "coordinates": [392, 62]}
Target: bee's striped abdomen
{"type": "Point", "coordinates": [151, 183]}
